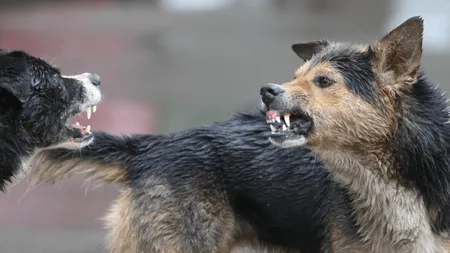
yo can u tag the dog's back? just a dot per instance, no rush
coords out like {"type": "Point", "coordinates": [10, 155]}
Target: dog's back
{"type": "Point", "coordinates": [220, 185]}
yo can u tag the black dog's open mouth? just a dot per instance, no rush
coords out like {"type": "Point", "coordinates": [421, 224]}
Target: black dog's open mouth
{"type": "Point", "coordinates": [79, 133]}
{"type": "Point", "coordinates": [289, 129]}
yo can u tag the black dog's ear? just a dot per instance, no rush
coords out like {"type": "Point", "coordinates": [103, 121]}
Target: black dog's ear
{"type": "Point", "coordinates": [306, 50]}
{"type": "Point", "coordinates": [20, 91]}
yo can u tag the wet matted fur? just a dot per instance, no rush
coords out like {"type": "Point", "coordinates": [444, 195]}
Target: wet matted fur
{"type": "Point", "coordinates": [220, 187]}
{"type": "Point", "coordinates": [36, 103]}
{"type": "Point", "coordinates": [209, 189]}
{"type": "Point", "coordinates": [381, 128]}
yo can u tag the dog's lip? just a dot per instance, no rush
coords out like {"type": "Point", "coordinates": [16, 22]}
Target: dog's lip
{"type": "Point", "coordinates": [83, 138]}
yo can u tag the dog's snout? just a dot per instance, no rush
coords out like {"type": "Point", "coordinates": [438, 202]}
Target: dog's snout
{"type": "Point", "coordinates": [94, 79]}
{"type": "Point", "coordinates": [269, 92]}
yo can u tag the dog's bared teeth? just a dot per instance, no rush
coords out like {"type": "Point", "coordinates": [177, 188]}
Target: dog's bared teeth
{"type": "Point", "coordinates": [278, 119]}
{"type": "Point", "coordinates": [284, 127]}
{"type": "Point", "coordinates": [94, 108]}
{"type": "Point", "coordinates": [88, 112]}
{"type": "Point", "coordinates": [287, 119]}
{"type": "Point", "coordinates": [268, 121]}
{"type": "Point", "coordinates": [273, 128]}
{"type": "Point", "coordinates": [78, 123]}
{"type": "Point", "coordinates": [88, 129]}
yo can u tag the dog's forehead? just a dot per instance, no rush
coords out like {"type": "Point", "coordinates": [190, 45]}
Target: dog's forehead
{"type": "Point", "coordinates": [339, 52]}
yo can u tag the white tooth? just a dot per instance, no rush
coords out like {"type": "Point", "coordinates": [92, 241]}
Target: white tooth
{"type": "Point", "coordinates": [278, 119]}
{"type": "Point", "coordinates": [268, 120]}
{"type": "Point", "coordinates": [272, 120]}
{"type": "Point", "coordinates": [284, 127]}
{"type": "Point", "coordinates": [273, 128]}
{"type": "Point", "coordinates": [88, 112]}
{"type": "Point", "coordinates": [94, 108]}
{"type": "Point", "coordinates": [88, 128]}
{"type": "Point", "coordinates": [287, 119]}
{"type": "Point", "coordinates": [78, 123]}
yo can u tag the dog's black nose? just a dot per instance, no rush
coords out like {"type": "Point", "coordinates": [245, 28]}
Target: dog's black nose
{"type": "Point", "coordinates": [95, 79]}
{"type": "Point", "coordinates": [269, 92]}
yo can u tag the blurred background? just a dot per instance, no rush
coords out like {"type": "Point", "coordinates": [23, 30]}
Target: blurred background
{"type": "Point", "coordinates": [167, 65]}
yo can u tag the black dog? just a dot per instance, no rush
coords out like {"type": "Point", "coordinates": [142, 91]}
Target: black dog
{"type": "Point", "coordinates": [36, 104]}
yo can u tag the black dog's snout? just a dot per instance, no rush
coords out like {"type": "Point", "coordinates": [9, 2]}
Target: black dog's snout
{"type": "Point", "coordinates": [269, 92]}
{"type": "Point", "coordinates": [95, 79]}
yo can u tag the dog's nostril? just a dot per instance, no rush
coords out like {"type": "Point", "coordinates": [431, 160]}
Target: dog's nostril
{"type": "Point", "coordinates": [271, 89]}
{"type": "Point", "coordinates": [95, 79]}
{"type": "Point", "coordinates": [269, 92]}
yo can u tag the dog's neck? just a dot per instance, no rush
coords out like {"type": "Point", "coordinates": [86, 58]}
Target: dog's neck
{"type": "Point", "coordinates": [14, 152]}
{"type": "Point", "coordinates": [392, 217]}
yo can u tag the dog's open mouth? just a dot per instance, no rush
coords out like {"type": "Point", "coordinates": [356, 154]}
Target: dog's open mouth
{"type": "Point", "coordinates": [290, 128]}
{"type": "Point", "coordinates": [80, 133]}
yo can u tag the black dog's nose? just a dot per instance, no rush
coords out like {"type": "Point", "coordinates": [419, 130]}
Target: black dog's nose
{"type": "Point", "coordinates": [95, 79]}
{"type": "Point", "coordinates": [269, 92]}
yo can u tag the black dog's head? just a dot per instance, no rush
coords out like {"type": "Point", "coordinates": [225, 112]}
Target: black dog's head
{"type": "Point", "coordinates": [37, 104]}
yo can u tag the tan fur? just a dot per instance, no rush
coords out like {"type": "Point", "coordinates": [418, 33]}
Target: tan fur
{"type": "Point", "coordinates": [254, 246]}
{"type": "Point", "coordinates": [397, 221]}
{"type": "Point", "coordinates": [48, 171]}
{"type": "Point", "coordinates": [337, 112]}
{"type": "Point", "coordinates": [341, 242]}
{"type": "Point", "coordinates": [352, 138]}
{"type": "Point", "coordinates": [151, 218]}
{"type": "Point", "coordinates": [121, 237]}
{"type": "Point", "coordinates": [157, 221]}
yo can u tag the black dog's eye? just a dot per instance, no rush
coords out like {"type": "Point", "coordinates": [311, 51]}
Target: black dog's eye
{"type": "Point", "coordinates": [323, 81]}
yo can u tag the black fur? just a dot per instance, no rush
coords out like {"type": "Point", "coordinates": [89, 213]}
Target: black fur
{"type": "Point", "coordinates": [35, 105]}
{"type": "Point", "coordinates": [423, 147]}
{"type": "Point", "coordinates": [284, 193]}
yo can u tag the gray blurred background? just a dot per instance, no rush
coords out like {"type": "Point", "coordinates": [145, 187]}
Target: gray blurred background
{"type": "Point", "coordinates": [171, 64]}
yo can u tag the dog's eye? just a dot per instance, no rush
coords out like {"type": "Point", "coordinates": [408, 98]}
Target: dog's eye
{"type": "Point", "coordinates": [323, 81]}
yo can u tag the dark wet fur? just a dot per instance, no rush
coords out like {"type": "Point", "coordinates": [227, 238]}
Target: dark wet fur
{"type": "Point", "coordinates": [34, 105]}
{"type": "Point", "coordinates": [284, 193]}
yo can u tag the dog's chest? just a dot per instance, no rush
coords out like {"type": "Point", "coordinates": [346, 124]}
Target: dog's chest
{"type": "Point", "coordinates": [390, 217]}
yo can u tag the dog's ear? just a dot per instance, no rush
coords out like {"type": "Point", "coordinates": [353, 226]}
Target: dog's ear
{"type": "Point", "coordinates": [306, 50]}
{"type": "Point", "coordinates": [20, 91]}
{"type": "Point", "coordinates": [398, 54]}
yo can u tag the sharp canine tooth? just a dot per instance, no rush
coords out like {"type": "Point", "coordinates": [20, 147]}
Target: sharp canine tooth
{"type": "Point", "coordinates": [273, 128]}
{"type": "Point", "coordinates": [278, 119]}
{"type": "Point", "coordinates": [78, 123]}
{"type": "Point", "coordinates": [287, 119]}
{"type": "Point", "coordinates": [284, 127]}
{"type": "Point", "coordinates": [94, 108]}
{"type": "Point", "coordinates": [268, 120]}
{"type": "Point", "coordinates": [88, 112]}
{"type": "Point", "coordinates": [88, 128]}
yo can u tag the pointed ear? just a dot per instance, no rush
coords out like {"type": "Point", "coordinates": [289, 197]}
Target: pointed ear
{"type": "Point", "coordinates": [306, 50]}
{"type": "Point", "coordinates": [18, 90]}
{"type": "Point", "coordinates": [398, 54]}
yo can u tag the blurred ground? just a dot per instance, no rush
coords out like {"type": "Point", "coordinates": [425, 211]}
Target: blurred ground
{"type": "Point", "coordinates": [163, 71]}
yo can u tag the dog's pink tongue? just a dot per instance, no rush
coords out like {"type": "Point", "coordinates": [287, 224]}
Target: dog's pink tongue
{"type": "Point", "coordinates": [272, 114]}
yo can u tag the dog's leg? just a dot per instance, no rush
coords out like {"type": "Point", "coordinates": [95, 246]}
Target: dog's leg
{"type": "Point", "coordinates": [156, 220]}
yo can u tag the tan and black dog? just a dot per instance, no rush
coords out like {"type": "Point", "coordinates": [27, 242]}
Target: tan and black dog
{"type": "Point", "coordinates": [378, 124]}
{"type": "Point", "coordinates": [381, 128]}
